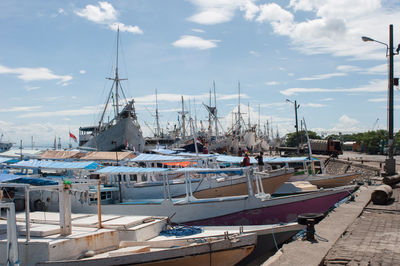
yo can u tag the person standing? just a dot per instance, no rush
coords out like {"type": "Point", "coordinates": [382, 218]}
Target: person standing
{"type": "Point", "coordinates": [240, 153]}
{"type": "Point", "coordinates": [260, 161]}
{"type": "Point", "coordinates": [246, 160]}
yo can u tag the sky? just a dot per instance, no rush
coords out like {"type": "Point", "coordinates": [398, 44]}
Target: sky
{"type": "Point", "coordinates": [55, 57]}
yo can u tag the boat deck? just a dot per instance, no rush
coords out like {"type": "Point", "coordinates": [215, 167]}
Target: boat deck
{"type": "Point", "coordinates": [46, 242]}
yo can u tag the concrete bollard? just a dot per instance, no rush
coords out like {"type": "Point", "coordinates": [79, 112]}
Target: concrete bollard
{"type": "Point", "coordinates": [381, 194]}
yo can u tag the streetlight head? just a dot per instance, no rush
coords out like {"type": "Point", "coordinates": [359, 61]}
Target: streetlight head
{"type": "Point", "coordinates": [367, 39]}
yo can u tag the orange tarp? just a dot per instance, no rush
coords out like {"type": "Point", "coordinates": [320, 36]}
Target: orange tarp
{"type": "Point", "coordinates": [182, 164]}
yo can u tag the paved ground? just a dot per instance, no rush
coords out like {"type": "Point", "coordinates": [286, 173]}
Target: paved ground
{"type": "Point", "coordinates": [373, 238]}
{"type": "Point", "coordinates": [331, 228]}
{"type": "Point", "coordinates": [357, 233]}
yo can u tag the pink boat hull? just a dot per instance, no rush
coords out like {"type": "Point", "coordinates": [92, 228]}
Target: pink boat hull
{"type": "Point", "coordinates": [282, 213]}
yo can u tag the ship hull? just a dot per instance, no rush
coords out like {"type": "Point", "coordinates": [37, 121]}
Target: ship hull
{"type": "Point", "coordinates": [123, 135]}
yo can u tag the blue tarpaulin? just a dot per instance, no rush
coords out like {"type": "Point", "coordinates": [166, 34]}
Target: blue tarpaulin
{"type": "Point", "coordinates": [129, 170]}
{"type": "Point", "coordinates": [4, 177]}
{"type": "Point", "coordinates": [160, 158]}
{"type": "Point", "coordinates": [43, 164]}
{"type": "Point", "coordinates": [233, 159]}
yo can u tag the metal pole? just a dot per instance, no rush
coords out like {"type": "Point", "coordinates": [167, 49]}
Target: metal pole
{"type": "Point", "coordinates": [297, 126]}
{"type": "Point", "coordinates": [99, 203]}
{"type": "Point", "coordinates": [390, 163]}
{"type": "Point", "coordinates": [390, 115]}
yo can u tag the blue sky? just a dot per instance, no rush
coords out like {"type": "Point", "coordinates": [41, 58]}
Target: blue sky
{"type": "Point", "coordinates": [55, 56]}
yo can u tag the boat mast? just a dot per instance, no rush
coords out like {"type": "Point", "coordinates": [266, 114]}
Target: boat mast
{"type": "Point", "coordinates": [157, 118]}
{"type": "Point", "coordinates": [239, 116]}
{"type": "Point", "coordinates": [116, 82]}
{"type": "Point", "coordinates": [248, 116]}
{"type": "Point", "coordinates": [116, 76]}
{"type": "Point", "coordinates": [215, 114]}
{"type": "Point", "coordinates": [209, 118]}
{"type": "Point", "coordinates": [183, 114]}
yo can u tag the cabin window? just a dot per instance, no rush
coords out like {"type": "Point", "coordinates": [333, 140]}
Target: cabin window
{"type": "Point", "coordinates": [103, 195]}
{"type": "Point", "coordinates": [108, 195]}
{"type": "Point", "coordinates": [144, 178]}
{"type": "Point", "coordinates": [133, 178]}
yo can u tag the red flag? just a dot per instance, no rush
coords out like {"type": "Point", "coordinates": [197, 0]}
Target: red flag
{"type": "Point", "coordinates": [72, 136]}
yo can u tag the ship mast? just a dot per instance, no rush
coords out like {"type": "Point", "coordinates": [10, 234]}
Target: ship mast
{"type": "Point", "coordinates": [157, 118]}
{"type": "Point", "coordinates": [116, 83]}
{"type": "Point", "coordinates": [239, 115]}
{"type": "Point", "coordinates": [183, 114]}
{"type": "Point", "coordinates": [215, 114]}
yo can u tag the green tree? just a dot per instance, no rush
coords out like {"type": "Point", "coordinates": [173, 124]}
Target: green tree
{"type": "Point", "coordinates": [291, 137]}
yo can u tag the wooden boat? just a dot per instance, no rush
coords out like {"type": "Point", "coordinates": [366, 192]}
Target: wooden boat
{"type": "Point", "coordinates": [312, 171]}
{"type": "Point", "coordinates": [204, 182]}
{"type": "Point", "coordinates": [81, 239]}
{"type": "Point", "coordinates": [251, 209]}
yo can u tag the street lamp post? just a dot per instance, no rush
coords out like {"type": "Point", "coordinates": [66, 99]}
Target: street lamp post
{"type": "Point", "coordinates": [390, 163]}
{"type": "Point", "coordinates": [297, 125]}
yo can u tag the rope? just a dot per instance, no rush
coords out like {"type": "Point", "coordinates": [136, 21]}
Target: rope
{"type": "Point", "coordinates": [182, 230]}
{"type": "Point", "coordinates": [273, 236]}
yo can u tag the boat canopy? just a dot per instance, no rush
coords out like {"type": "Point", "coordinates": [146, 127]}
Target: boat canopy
{"type": "Point", "coordinates": [288, 159]}
{"type": "Point", "coordinates": [201, 155]}
{"type": "Point", "coordinates": [4, 177]}
{"type": "Point", "coordinates": [34, 164]}
{"type": "Point", "coordinates": [129, 170]}
{"type": "Point", "coordinates": [165, 151]}
{"type": "Point", "coordinates": [233, 159]}
{"type": "Point", "coordinates": [159, 158]}
{"type": "Point", "coordinates": [212, 170]}
{"type": "Point", "coordinates": [8, 160]}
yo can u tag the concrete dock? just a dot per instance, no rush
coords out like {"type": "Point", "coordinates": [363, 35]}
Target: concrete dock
{"type": "Point", "coordinates": [356, 233]}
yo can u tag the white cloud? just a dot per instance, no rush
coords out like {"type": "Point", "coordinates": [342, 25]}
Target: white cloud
{"type": "Point", "coordinates": [125, 28]}
{"type": "Point", "coordinates": [346, 123]}
{"type": "Point", "coordinates": [172, 97]}
{"type": "Point", "coordinates": [31, 88]}
{"type": "Point", "coordinates": [254, 53]}
{"type": "Point", "coordinates": [377, 70]}
{"type": "Point", "coordinates": [324, 76]}
{"type": "Point", "coordinates": [87, 110]}
{"type": "Point", "coordinates": [250, 9]}
{"type": "Point", "coordinates": [82, 71]}
{"type": "Point", "coordinates": [189, 41]}
{"type": "Point", "coordinates": [60, 11]}
{"type": "Point", "coordinates": [326, 100]}
{"type": "Point", "coordinates": [347, 68]}
{"type": "Point", "coordinates": [334, 27]}
{"type": "Point", "coordinates": [34, 74]}
{"type": "Point", "coordinates": [198, 30]}
{"type": "Point", "coordinates": [275, 14]}
{"type": "Point", "coordinates": [211, 12]}
{"type": "Point", "coordinates": [20, 109]}
{"type": "Point", "coordinates": [273, 105]}
{"type": "Point", "coordinates": [377, 100]}
{"type": "Point", "coordinates": [272, 83]}
{"type": "Point", "coordinates": [314, 105]}
{"type": "Point", "coordinates": [373, 86]}
{"type": "Point", "coordinates": [105, 13]}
